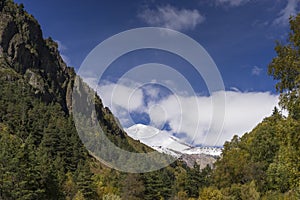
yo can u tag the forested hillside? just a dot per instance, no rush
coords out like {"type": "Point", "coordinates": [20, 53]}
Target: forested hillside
{"type": "Point", "coordinates": [42, 156]}
{"type": "Point", "coordinates": [265, 163]}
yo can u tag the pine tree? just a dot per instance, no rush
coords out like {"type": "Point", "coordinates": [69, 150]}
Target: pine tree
{"type": "Point", "coordinates": [28, 175]}
{"type": "Point", "coordinates": [132, 187]}
{"type": "Point", "coordinates": [84, 180]}
{"type": "Point", "coordinates": [9, 145]}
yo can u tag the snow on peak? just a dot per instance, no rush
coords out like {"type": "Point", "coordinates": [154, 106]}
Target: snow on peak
{"type": "Point", "coordinates": [141, 131]}
{"type": "Point", "coordinates": [165, 142]}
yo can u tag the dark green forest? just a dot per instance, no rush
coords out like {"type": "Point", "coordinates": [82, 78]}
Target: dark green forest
{"type": "Point", "coordinates": [42, 156]}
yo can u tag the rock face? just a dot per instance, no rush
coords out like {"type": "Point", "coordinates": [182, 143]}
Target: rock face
{"type": "Point", "coordinates": [27, 57]}
{"type": "Point", "coordinates": [36, 81]}
{"type": "Point", "coordinates": [23, 48]}
{"type": "Point", "coordinates": [201, 159]}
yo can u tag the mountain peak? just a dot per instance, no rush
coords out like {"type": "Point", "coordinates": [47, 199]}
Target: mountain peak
{"type": "Point", "coordinates": [141, 131]}
{"type": "Point", "coordinates": [164, 141]}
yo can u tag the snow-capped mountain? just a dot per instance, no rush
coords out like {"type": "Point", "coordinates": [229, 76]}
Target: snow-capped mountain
{"type": "Point", "coordinates": [163, 141]}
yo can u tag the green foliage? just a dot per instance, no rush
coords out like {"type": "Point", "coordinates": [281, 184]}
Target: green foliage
{"type": "Point", "coordinates": [233, 167]}
{"type": "Point", "coordinates": [181, 195]}
{"type": "Point", "coordinates": [248, 191]}
{"type": "Point", "coordinates": [210, 193]}
{"type": "Point", "coordinates": [84, 180]}
{"type": "Point", "coordinates": [285, 68]}
{"type": "Point", "coordinates": [196, 179]}
{"type": "Point", "coordinates": [70, 188]}
{"type": "Point", "coordinates": [42, 156]}
{"type": "Point", "coordinates": [269, 155]}
{"type": "Point", "coordinates": [79, 196]}
{"type": "Point", "coordinates": [111, 197]}
{"type": "Point", "coordinates": [132, 187]}
{"type": "Point", "coordinates": [284, 172]}
{"type": "Point", "coordinates": [158, 184]}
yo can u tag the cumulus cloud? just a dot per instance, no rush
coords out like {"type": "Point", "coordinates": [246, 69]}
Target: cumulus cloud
{"type": "Point", "coordinates": [151, 92]}
{"type": "Point", "coordinates": [191, 116]}
{"type": "Point", "coordinates": [244, 110]}
{"type": "Point", "coordinates": [232, 3]}
{"type": "Point", "coordinates": [256, 71]}
{"type": "Point", "coordinates": [291, 9]}
{"type": "Point", "coordinates": [122, 100]}
{"type": "Point", "coordinates": [122, 96]}
{"type": "Point", "coordinates": [171, 17]}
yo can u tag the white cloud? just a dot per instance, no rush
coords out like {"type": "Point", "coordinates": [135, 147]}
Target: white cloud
{"type": "Point", "coordinates": [256, 71]}
{"type": "Point", "coordinates": [171, 17]}
{"type": "Point", "coordinates": [122, 96]}
{"type": "Point", "coordinates": [151, 92]}
{"type": "Point", "coordinates": [244, 110]}
{"type": "Point", "coordinates": [291, 9]}
{"type": "Point", "coordinates": [158, 115]}
{"type": "Point", "coordinates": [232, 3]}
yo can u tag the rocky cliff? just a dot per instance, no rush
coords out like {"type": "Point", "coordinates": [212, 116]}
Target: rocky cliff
{"type": "Point", "coordinates": [37, 62]}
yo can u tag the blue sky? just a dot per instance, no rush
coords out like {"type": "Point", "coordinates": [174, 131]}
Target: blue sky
{"type": "Point", "coordinates": [238, 34]}
{"type": "Point", "coordinates": [239, 37]}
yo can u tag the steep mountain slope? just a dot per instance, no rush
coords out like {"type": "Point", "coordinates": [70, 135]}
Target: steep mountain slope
{"type": "Point", "coordinates": [41, 155]}
{"type": "Point", "coordinates": [37, 63]}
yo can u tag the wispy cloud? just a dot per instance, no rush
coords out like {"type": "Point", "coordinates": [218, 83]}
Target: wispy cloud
{"type": "Point", "coordinates": [291, 9]}
{"type": "Point", "coordinates": [231, 3]}
{"type": "Point", "coordinates": [256, 71]}
{"type": "Point", "coordinates": [172, 17]}
{"type": "Point", "coordinates": [244, 110]}
{"type": "Point", "coordinates": [62, 48]}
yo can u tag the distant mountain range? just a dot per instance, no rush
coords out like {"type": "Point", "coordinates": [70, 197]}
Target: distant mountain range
{"type": "Point", "coordinates": [164, 142]}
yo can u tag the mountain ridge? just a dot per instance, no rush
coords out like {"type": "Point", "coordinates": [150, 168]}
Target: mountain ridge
{"type": "Point", "coordinates": [164, 142]}
{"type": "Point", "coordinates": [39, 63]}
{"type": "Point", "coordinates": [40, 149]}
